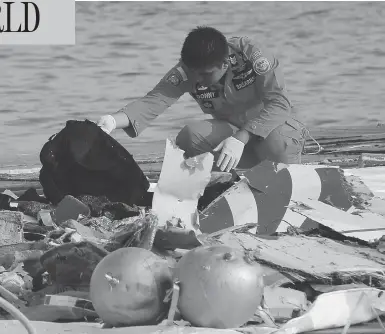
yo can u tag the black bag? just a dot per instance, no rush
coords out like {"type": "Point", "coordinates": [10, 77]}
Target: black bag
{"type": "Point", "coordinates": [82, 159]}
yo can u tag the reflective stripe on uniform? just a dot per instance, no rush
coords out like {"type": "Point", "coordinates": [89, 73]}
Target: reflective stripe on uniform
{"type": "Point", "coordinates": [182, 73]}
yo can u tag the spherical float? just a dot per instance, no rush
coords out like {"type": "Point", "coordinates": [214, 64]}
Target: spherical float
{"type": "Point", "coordinates": [219, 287]}
{"type": "Point", "coordinates": [128, 287]}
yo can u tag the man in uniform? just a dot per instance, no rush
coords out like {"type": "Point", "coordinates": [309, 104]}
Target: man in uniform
{"type": "Point", "coordinates": [239, 83]}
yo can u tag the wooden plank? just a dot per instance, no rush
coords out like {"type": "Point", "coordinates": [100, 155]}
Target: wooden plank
{"type": "Point", "coordinates": [366, 226]}
{"type": "Point", "coordinates": [345, 146]}
{"type": "Point", "coordinates": [316, 259]}
{"type": "Point", "coordinates": [339, 132]}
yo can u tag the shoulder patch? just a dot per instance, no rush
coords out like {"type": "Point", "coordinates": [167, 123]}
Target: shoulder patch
{"type": "Point", "coordinates": [261, 65]}
{"type": "Point", "coordinates": [176, 76]}
{"type": "Point", "coordinates": [173, 79]}
{"type": "Point", "coordinates": [252, 51]}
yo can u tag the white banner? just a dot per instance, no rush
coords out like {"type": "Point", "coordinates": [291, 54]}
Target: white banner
{"type": "Point", "coordinates": [37, 22]}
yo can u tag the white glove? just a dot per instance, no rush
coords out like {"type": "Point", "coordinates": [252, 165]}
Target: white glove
{"type": "Point", "coordinates": [231, 153]}
{"type": "Point", "coordinates": [107, 123]}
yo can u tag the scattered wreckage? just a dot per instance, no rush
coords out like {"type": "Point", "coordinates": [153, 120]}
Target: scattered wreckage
{"type": "Point", "coordinates": [315, 230]}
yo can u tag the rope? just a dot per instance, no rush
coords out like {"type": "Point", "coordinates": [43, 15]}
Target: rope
{"type": "Point", "coordinates": [320, 148]}
{"type": "Point", "coordinates": [307, 133]}
{"type": "Point", "coordinates": [7, 306]}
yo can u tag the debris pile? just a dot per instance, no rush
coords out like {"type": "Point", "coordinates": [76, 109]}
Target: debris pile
{"type": "Point", "coordinates": [320, 245]}
{"type": "Point", "coordinates": [48, 254]}
{"type": "Point", "coordinates": [47, 250]}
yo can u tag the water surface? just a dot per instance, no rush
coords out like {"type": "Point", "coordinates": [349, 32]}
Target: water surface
{"type": "Point", "coordinates": [333, 54]}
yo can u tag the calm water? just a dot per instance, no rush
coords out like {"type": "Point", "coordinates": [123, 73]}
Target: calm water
{"type": "Point", "coordinates": [333, 55]}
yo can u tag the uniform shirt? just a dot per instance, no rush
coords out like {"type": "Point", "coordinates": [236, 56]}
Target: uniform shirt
{"type": "Point", "coordinates": [251, 95]}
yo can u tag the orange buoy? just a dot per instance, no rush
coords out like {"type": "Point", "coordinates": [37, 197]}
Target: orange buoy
{"type": "Point", "coordinates": [128, 287]}
{"type": "Point", "coordinates": [219, 287]}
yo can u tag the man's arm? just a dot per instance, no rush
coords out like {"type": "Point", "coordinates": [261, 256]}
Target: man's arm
{"type": "Point", "coordinates": [137, 115]}
{"type": "Point", "coordinates": [270, 85]}
{"type": "Point", "coordinates": [121, 120]}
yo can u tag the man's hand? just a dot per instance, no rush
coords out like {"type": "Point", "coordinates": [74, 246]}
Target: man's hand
{"type": "Point", "coordinates": [107, 123]}
{"type": "Point", "coordinates": [231, 152]}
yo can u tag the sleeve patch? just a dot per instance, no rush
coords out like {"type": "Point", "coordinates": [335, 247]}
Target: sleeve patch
{"type": "Point", "coordinates": [261, 65]}
{"type": "Point", "coordinates": [174, 79]}
{"type": "Point", "coordinates": [176, 76]}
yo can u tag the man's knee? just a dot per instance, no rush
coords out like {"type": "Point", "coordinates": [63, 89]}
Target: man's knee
{"type": "Point", "coordinates": [285, 143]}
{"type": "Point", "coordinates": [202, 136]}
{"type": "Point", "coordinates": [191, 138]}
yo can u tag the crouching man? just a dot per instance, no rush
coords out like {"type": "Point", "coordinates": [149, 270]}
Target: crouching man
{"type": "Point", "coordinates": [240, 84]}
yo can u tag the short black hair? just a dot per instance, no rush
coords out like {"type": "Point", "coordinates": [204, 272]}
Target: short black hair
{"type": "Point", "coordinates": [204, 47]}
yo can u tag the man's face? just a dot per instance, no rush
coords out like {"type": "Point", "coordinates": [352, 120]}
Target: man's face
{"type": "Point", "coordinates": [211, 75]}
